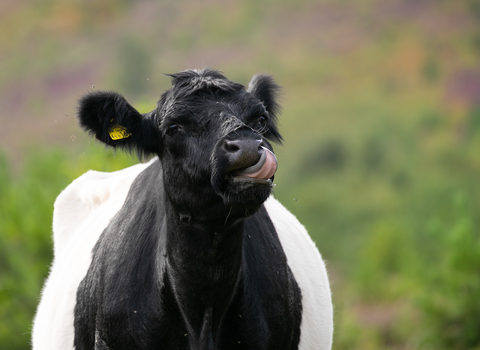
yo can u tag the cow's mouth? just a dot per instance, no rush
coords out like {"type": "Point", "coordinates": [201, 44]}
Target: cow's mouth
{"type": "Point", "coordinates": [261, 172]}
{"type": "Point", "coordinates": [247, 187]}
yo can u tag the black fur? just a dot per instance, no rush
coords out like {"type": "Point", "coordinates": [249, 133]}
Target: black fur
{"type": "Point", "coordinates": [266, 90]}
{"type": "Point", "coordinates": [192, 260]}
{"type": "Point", "coordinates": [99, 111]}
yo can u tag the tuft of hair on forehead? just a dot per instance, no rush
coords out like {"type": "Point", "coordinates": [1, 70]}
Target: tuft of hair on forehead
{"type": "Point", "coordinates": [192, 80]}
{"type": "Point", "coordinates": [195, 83]}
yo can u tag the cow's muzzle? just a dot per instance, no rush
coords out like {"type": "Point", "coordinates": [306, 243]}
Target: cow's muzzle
{"type": "Point", "coordinates": [248, 158]}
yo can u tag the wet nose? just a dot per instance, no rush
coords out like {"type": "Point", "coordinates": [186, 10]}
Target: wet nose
{"type": "Point", "coordinates": [243, 153]}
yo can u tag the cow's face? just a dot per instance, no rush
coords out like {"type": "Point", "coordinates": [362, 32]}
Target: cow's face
{"type": "Point", "coordinates": [211, 135]}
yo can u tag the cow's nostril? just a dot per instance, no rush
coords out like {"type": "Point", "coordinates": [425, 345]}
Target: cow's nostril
{"type": "Point", "coordinates": [232, 146]}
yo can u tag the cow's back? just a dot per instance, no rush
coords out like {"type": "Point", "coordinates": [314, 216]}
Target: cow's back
{"type": "Point", "coordinates": [310, 274]}
{"type": "Point", "coordinates": [81, 213]}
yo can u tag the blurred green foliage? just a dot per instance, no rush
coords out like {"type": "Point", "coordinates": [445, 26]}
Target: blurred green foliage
{"type": "Point", "coordinates": [25, 243]}
{"type": "Point", "coordinates": [381, 123]}
{"type": "Point", "coordinates": [451, 297]}
{"type": "Point", "coordinates": [26, 207]}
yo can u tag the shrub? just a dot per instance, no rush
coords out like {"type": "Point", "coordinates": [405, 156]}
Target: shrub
{"type": "Point", "coordinates": [450, 303]}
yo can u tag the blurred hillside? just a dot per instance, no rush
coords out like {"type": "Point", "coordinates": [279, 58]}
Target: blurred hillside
{"type": "Point", "coordinates": [381, 123]}
{"type": "Point", "coordinates": [52, 52]}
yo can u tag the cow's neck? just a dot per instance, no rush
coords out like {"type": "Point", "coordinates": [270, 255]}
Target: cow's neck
{"type": "Point", "coordinates": [203, 267]}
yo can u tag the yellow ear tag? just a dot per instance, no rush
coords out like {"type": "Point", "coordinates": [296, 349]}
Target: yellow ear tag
{"type": "Point", "coordinates": [118, 132]}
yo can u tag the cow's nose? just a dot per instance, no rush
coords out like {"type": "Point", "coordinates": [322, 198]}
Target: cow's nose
{"type": "Point", "coordinates": [243, 153]}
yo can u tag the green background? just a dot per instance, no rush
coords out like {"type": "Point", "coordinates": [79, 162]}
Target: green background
{"type": "Point", "coordinates": [381, 120]}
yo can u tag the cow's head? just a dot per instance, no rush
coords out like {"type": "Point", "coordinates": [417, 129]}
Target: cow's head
{"type": "Point", "coordinates": [212, 137]}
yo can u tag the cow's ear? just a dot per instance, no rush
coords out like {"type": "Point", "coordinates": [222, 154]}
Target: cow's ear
{"type": "Point", "coordinates": [112, 120]}
{"type": "Point", "coordinates": [264, 87]}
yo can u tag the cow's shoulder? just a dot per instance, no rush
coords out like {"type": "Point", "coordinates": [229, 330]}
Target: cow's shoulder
{"type": "Point", "coordinates": [310, 274]}
{"type": "Point", "coordinates": [86, 195]}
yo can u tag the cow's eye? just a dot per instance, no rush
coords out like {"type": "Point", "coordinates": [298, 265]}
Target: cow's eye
{"type": "Point", "coordinates": [263, 119]}
{"type": "Point", "coordinates": [172, 129]}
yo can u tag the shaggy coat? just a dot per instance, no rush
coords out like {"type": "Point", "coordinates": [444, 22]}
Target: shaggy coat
{"type": "Point", "coordinates": [188, 251]}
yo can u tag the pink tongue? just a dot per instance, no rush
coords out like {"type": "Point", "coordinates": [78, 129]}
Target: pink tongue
{"type": "Point", "coordinates": [267, 170]}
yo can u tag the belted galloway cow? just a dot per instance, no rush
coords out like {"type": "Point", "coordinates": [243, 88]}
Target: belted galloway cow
{"type": "Point", "coordinates": [190, 250]}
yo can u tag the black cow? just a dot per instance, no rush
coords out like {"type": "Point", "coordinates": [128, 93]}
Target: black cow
{"type": "Point", "coordinates": [187, 251]}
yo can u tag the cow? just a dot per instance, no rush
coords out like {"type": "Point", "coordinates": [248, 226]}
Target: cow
{"type": "Point", "coordinates": [189, 250]}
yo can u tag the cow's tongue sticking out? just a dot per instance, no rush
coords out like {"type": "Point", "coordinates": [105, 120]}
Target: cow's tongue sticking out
{"type": "Point", "coordinates": [264, 169]}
